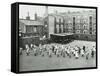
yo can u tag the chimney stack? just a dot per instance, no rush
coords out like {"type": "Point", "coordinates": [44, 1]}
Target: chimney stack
{"type": "Point", "coordinates": [35, 16]}
{"type": "Point", "coordinates": [28, 17]}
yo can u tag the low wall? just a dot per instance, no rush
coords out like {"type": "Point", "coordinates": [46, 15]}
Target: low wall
{"type": "Point", "coordinates": [36, 41]}
{"type": "Point", "coordinates": [86, 37]}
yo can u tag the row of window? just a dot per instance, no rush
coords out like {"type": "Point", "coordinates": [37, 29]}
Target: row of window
{"type": "Point", "coordinates": [77, 27]}
{"type": "Point", "coordinates": [85, 32]}
{"type": "Point", "coordinates": [69, 29]}
{"type": "Point", "coordinates": [59, 19]}
{"type": "Point", "coordinates": [84, 27]}
{"type": "Point", "coordinates": [59, 29]}
{"type": "Point", "coordinates": [69, 20]}
{"type": "Point", "coordinates": [31, 29]}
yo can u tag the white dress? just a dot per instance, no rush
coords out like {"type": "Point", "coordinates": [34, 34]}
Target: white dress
{"type": "Point", "coordinates": [27, 48]}
{"type": "Point", "coordinates": [82, 52]}
{"type": "Point", "coordinates": [94, 49]}
{"type": "Point", "coordinates": [76, 54]}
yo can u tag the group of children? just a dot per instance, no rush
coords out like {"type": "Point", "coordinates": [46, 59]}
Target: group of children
{"type": "Point", "coordinates": [59, 50]}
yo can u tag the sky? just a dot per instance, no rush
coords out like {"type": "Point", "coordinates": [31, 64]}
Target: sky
{"type": "Point", "coordinates": [40, 10]}
{"type": "Point", "coordinates": [32, 9]}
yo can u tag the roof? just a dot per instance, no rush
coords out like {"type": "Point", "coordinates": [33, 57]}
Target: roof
{"type": "Point", "coordinates": [56, 15]}
{"type": "Point", "coordinates": [70, 14]}
{"type": "Point", "coordinates": [31, 22]}
{"type": "Point", "coordinates": [63, 34]}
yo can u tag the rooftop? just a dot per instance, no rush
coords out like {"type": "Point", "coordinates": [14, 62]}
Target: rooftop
{"type": "Point", "coordinates": [63, 34]}
{"type": "Point", "coordinates": [31, 22]}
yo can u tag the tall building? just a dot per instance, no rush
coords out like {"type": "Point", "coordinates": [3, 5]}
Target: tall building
{"type": "Point", "coordinates": [80, 23]}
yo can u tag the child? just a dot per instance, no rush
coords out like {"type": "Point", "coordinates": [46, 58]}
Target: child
{"type": "Point", "coordinates": [93, 51]}
{"type": "Point", "coordinates": [27, 49]}
{"type": "Point", "coordinates": [76, 55]}
{"type": "Point", "coordinates": [20, 51]}
{"type": "Point", "coordinates": [88, 51]}
{"type": "Point", "coordinates": [82, 52]}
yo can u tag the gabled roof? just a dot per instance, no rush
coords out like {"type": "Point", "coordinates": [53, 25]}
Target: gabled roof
{"type": "Point", "coordinates": [31, 22]}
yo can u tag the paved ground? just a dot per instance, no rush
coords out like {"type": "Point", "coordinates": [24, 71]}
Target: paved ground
{"type": "Point", "coordinates": [29, 63]}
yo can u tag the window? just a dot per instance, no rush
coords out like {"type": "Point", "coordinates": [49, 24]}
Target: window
{"type": "Point", "coordinates": [46, 25]}
{"type": "Point", "coordinates": [90, 28]}
{"type": "Point", "coordinates": [85, 26]}
{"type": "Point", "coordinates": [29, 29]}
{"type": "Point", "coordinates": [85, 32]}
{"type": "Point", "coordinates": [73, 24]}
{"type": "Point", "coordinates": [94, 26]}
{"type": "Point", "coordinates": [90, 32]}
{"type": "Point", "coordinates": [78, 21]}
{"type": "Point", "coordinates": [90, 20]}
{"type": "Point", "coordinates": [73, 18]}
{"type": "Point", "coordinates": [62, 20]}
{"type": "Point", "coordinates": [78, 17]}
{"type": "Point", "coordinates": [57, 28]}
{"type": "Point", "coordinates": [84, 21]}
{"type": "Point", "coordinates": [57, 20]}
{"type": "Point", "coordinates": [85, 16]}
{"type": "Point", "coordinates": [62, 28]}
{"type": "Point", "coordinates": [78, 26]}
{"type": "Point", "coordinates": [78, 31]}
{"type": "Point", "coordinates": [94, 32]}
{"type": "Point", "coordinates": [69, 21]}
{"type": "Point", "coordinates": [35, 29]}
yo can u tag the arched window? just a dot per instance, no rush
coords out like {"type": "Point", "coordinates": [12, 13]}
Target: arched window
{"type": "Point", "coordinates": [57, 28]}
{"type": "Point", "coordinates": [85, 32]}
{"type": "Point", "coordinates": [85, 26]}
{"type": "Point", "coordinates": [61, 28]}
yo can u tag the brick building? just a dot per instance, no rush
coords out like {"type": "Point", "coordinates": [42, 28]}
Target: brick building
{"type": "Point", "coordinates": [81, 23]}
{"type": "Point", "coordinates": [31, 28]}
{"type": "Point", "coordinates": [32, 31]}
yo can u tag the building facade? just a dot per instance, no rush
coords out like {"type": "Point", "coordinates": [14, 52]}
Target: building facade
{"type": "Point", "coordinates": [81, 24]}
{"type": "Point", "coordinates": [31, 28]}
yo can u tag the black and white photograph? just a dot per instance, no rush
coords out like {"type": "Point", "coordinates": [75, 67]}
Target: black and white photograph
{"type": "Point", "coordinates": [56, 37]}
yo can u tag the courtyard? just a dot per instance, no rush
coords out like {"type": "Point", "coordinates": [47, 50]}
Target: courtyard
{"type": "Point", "coordinates": [31, 62]}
